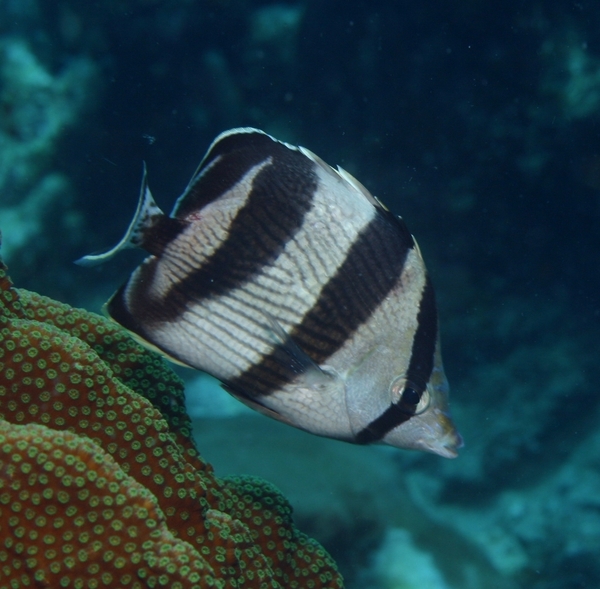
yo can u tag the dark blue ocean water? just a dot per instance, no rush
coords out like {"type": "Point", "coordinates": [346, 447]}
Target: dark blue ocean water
{"type": "Point", "coordinates": [477, 122]}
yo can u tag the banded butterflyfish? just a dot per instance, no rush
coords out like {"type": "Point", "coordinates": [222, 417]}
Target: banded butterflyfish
{"type": "Point", "coordinates": [289, 282]}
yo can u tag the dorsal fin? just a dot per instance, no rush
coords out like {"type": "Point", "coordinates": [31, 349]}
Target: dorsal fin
{"type": "Point", "coordinates": [352, 181]}
{"type": "Point", "coordinates": [348, 178]}
{"type": "Point", "coordinates": [147, 215]}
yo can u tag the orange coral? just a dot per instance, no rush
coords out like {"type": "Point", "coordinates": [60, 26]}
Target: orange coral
{"type": "Point", "coordinates": [81, 402]}
{"type": "Point", "coordinates": [71, 515]}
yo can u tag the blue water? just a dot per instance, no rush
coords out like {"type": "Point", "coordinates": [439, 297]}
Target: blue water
{"type": "Point", "coordinates": [477, 122]}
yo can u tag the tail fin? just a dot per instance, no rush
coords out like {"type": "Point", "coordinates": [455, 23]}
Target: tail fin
{"type": "Point", "coordinates": [147, 215]}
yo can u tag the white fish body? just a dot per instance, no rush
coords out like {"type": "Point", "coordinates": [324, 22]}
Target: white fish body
{"type": "Point", "coordinates": [289, 282]}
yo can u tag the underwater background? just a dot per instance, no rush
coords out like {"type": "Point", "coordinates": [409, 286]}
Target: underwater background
{"type": "Point", "coordinates": [477, 122]}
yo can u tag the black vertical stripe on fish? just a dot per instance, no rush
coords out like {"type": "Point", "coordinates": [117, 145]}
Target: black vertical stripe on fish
{"type": "Point", "coordinates": [371, 269]}
{"type": "Point", "coordinates": [422, 357]}
{"type": "Point", "coordinates": [419, 372]}
{"type": "Point", "coordinates": [118, 305]}
{"type": "Point", "coordinates": [225, 164]}
{"type": "Point", "coordinates": [158, 236]}
{"type": "Point", "coordinates": [391, 418]}
{"type": "Point", "coordinates": [281, 194]}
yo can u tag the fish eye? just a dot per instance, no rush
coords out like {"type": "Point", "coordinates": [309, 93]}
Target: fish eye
{"type": "Point", "coordinates": [410, 396]}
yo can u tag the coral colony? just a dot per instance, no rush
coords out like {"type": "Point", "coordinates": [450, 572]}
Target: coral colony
{"type": "Point", "coordinates": [100, 481]}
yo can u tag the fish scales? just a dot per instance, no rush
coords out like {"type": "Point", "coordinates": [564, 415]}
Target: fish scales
{"type": "Point", "coordinates": [247, 304]}
{"type": "Point", "coordinates": [289, 282]}
{"type": "Point", "coordinates": [343, 303]}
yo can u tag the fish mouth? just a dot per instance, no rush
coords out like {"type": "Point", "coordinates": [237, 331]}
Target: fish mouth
{"type": "Point", "coordinates": [445, 441]}
{"type": "Point", "coordinates": [449, 449]}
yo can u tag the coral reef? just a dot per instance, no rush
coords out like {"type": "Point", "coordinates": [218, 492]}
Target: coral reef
{"type": "Point", "coordinates": [100, 481]}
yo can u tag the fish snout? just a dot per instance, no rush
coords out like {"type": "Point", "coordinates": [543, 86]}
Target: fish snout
{"type": "Point", "coordinates": [443, 438]}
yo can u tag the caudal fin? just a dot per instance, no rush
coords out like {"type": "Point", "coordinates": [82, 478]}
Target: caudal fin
{"type": "Point", "coordinates": [147, 215]}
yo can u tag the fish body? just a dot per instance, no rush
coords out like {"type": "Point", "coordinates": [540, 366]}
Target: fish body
{"type": "Point", "coordinates": [290, 283]}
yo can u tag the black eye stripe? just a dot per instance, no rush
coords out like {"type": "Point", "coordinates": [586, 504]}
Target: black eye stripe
{"type": "Point", "coordinates": [419, 371]}
{"type": "Point", "coordinates": [392, 417]}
